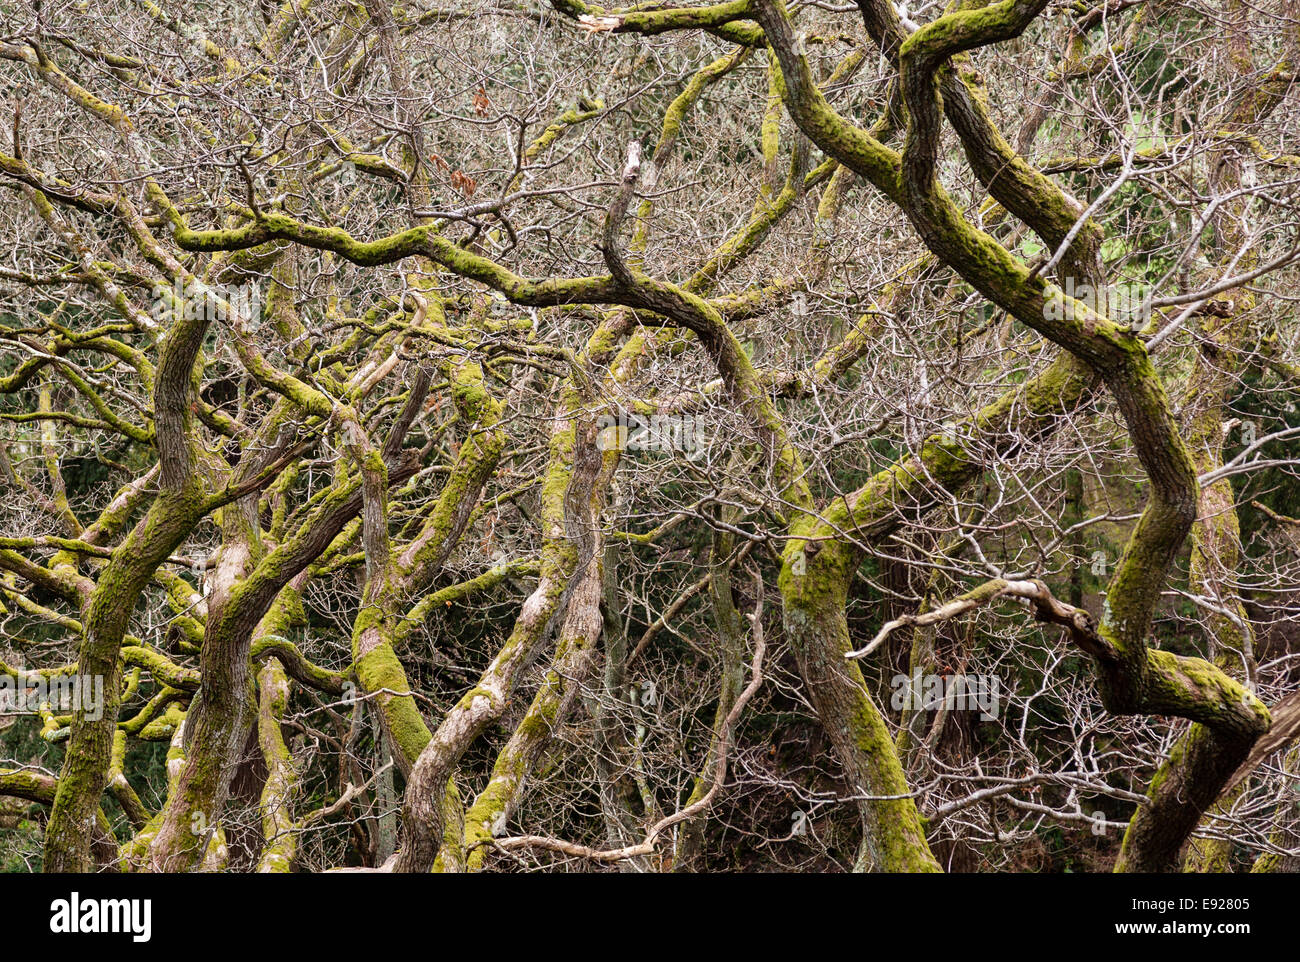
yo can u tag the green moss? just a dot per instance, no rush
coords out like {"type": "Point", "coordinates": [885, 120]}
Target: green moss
{"type": "Point", "coordinates": [164, 726]}
{"type": "Point", "coordinates": [813, 611]}
{"type": "Point", "coordinates": [380, 672]}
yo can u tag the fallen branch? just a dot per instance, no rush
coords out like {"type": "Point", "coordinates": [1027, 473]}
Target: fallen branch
{"type": "Point", "coordinates": [1046, 608]}
{"type": "Point", "coordinates": [647, 847]}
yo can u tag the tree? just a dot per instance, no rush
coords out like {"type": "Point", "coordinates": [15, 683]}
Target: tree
{"type": "Point", "coordinates": [522, 436]}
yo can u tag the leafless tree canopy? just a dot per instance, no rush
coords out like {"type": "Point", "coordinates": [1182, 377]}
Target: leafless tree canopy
{"type": "Point", "coordinates": [509, 435]}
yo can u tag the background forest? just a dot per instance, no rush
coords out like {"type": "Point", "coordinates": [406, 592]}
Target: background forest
{"type": "Point", "coordinates": [523, 436]}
